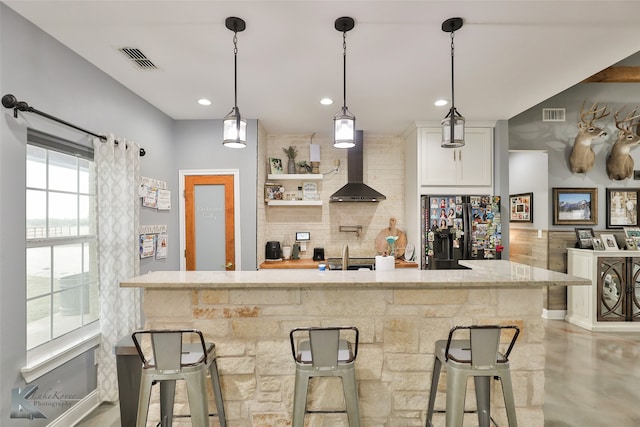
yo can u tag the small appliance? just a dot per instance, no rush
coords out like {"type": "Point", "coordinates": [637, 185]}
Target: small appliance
{"type": "Point", "coordinates": [273, 252]}
{"type": "Point", "coordinates": [318, 254]}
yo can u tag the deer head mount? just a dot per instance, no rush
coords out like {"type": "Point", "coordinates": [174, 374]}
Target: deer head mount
{"type": "Point", "coordinates": [582, 156]}
{"type": "Point", "coordinates": [619, 162]}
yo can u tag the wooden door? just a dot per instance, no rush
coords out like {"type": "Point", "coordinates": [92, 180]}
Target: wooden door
{"type": "Point", "coordinates": [209, 222]}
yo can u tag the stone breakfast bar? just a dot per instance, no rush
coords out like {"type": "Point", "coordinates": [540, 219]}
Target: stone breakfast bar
{"type": "Point", "coordinates": [400, 315]}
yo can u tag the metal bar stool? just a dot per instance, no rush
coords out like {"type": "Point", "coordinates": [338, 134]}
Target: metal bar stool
{"type": "Point", "coordinates": [172, 356]}
{"type": "Point", "coordinates": [325, 352]}
{"type": "Point", "coordinates": [478, 357]}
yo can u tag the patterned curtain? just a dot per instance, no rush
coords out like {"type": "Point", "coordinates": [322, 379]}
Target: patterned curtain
{"type": "Point", "coordinates": [117, 177]}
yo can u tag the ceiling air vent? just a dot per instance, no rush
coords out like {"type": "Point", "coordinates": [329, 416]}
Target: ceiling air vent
{"type": "Point", "coordinates": [138, 58]}
{"type": "Point", "coordinates": [553, 115]}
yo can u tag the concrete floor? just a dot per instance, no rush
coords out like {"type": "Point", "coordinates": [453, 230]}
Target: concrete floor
{"type": "Point", "coordinates": [591, 380]}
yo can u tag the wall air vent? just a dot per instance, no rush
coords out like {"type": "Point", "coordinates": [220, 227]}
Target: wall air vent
{"type": "Point", "coordinates": [553, 115]}
{"type": "Point", "coordinates": [138, 58]}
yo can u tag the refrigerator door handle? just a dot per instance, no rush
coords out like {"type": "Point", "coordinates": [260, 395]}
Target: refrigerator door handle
{"type": "Point", "coordinates": [467, 230]}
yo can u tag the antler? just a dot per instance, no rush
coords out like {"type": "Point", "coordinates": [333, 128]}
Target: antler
{"type": "Point", "coordinates": [620, 124]}
{"type": "Point", "coordinates": [594, 111]}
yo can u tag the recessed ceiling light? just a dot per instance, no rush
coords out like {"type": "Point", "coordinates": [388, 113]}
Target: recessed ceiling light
{"type": "Point", "coordinates": [326, 101]}
{"type": "Point", "coordinates": [204, 101]}
{"type": "Point", "coordinates": [441, 102]}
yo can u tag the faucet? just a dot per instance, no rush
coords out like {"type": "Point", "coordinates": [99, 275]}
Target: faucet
{"type": "Point", "coordinates": [345, 257]}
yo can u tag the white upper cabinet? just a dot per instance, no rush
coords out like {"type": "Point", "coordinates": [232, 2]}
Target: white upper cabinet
{"type": "Point", "coordinates": [468, 166]}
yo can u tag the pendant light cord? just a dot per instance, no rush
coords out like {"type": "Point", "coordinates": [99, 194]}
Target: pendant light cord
{"type": "Point", "coordinates": [453, 104]}
{"type": "Point", "coordinates": [344, 69]}
{"type": "Point", "coordinates": [235, 69]}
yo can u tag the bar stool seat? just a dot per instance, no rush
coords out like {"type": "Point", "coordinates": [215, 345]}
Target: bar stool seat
{"type": "Point", "coordinates": [478, 357]}
{"type": "Point", "coordinates": [170, 355]}
{"type": "Point", "coordinates": [324, 352]}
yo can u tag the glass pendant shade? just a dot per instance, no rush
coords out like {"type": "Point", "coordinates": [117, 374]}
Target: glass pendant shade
{"type": "Point", "coordinates": [453, 139]}
{"type": "Point", "coordinates": [234, 130]}
{"type": "Point", "coordinates": [344, 129]}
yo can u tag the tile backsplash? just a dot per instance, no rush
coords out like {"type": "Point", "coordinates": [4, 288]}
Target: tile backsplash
{"type": "Point", "coordinates": [383, 170]}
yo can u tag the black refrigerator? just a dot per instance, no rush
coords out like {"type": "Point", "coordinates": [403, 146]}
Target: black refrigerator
{"type": "Point", "coordinates": [460, 227]}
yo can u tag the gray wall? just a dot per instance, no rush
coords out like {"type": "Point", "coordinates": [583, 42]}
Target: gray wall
{"type": "Point", "coordinates": [39, 70]}
{"type": "Point", "coordinates": [501, 178]}
{"type": "Point", "coordinates": [198, 147]}
{"type": "Point", "coordinates": [529, 173]}
{"type": "Point", "coordinates": [528, 132]}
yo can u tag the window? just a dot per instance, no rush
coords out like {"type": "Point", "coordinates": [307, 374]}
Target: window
{"type": "Point", "coordinates": [61, 276]}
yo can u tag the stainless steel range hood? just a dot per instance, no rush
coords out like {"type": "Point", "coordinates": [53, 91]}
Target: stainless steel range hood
{"type": "Point", "coordinates": [355, 190]}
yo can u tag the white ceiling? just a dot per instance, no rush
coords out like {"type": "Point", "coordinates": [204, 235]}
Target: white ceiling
{"type": "Point", "coordinates": [509, 55]}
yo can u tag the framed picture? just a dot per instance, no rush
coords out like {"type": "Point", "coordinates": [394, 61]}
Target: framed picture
{"type": "Point", "coordinates": [585, 238]}
{"type": "Point", "coordinates": [310, 191]}
{"type": "Point", "coordinates": [275, 165]}
{"type": "Point", "coordinates": [521, 207]}
{"type": "Point", "coordinates": [273, 191]}
{"type": "Point", "coordinates": [622, 207]}
{"type": "Point", "coordinates": [575, 206]}
{"type": "Point", "coordinates": [597, 244]}
{"type": "Point", "coordinates": [633, 232]}
{"type": "Point", "coordinates": [609, 241]}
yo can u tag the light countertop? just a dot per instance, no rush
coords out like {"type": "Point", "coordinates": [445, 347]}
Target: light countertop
{"type": "Point", "coordinates": [483, 274]}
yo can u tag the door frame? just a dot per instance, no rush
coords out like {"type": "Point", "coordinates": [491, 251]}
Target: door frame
{"type": "Point", "coordinates": [182, 173]}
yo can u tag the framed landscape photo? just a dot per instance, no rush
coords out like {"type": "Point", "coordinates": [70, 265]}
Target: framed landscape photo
{"type": "Point", "coordinates": [521, 207]}
{"type": "Point", "coordinates": [622, 207]}
{"type": "Point", "coordinates": [575, 206]}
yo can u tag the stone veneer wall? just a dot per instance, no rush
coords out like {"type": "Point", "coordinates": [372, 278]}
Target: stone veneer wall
{"type": "Point", "coordinates": [383, 170]}
{"type": "Point", "coordinates": [398, 329]}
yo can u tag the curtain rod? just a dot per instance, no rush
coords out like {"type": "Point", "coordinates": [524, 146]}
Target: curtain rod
{"type": "Point", "coordinates": [10, 101]}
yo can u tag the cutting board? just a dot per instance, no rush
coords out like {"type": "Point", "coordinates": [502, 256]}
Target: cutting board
{"type": "Point", "coordinates": [381, 240]}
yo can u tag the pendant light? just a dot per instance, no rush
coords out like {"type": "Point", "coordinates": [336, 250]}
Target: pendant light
{"type": "Point", "coordinates": [234, 128]}
{"type": "Point", "coordinates": [453, 123]}
{"type": "Point", "coordinates": [344, 123]}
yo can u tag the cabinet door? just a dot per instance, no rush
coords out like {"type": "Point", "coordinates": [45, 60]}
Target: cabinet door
{"type": "Point", "coordinates": [438, 166]}
{"type": "Point", "coordinates": [612, 281]}
{"type": "Point", "coordinates": [634, 290]}
{"type": "Point", "coordinates": [475, 159]}
{"type": "Point", "coordinates": [471, 165]}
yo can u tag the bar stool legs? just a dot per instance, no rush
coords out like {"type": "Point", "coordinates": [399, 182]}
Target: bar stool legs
{"type": "Point", "coordinates": [171, 356]}
{"type": "Point", "coordinates": [435, 378]}
{"type": "Point", "coordinates": [217, 393]}
{"type": "Point", "coordinates": [350, 395]}
{"type": "Point", "coordinates": [300, 398]}
{"type": "Point", "coordinates": [322, 352]}
{"type": "Point", "coordinates": [478, 357]}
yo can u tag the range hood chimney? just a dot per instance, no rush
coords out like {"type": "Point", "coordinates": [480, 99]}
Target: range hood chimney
{"type": "Point", "coordinates": [355, 190]}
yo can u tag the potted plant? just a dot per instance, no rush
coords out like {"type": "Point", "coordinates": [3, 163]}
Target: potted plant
{"type": "Point", "coordinates": [291, 152]}
{"type": "Point", "coordinates": [304, 167]}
